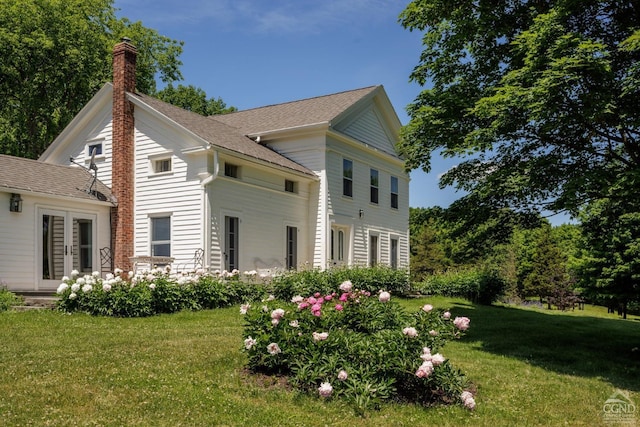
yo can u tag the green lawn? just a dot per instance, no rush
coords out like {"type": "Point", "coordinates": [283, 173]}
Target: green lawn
{"type": "Point", "coordinates": [530, 367]}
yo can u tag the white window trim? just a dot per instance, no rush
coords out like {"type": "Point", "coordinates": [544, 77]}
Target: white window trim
{"type": "Point", "coordinates": [150, 222]}
{"type": "Point", "coordinates": [87, 149]}
{"type": "Point", "coordinates": [168, 155]}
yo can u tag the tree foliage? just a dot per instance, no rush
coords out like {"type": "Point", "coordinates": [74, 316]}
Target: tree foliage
{"type": "Point", "coordinates": [611, 274]}
{"type": "Point", "coordinates": [539, 98]}
{"type": "Point", "coordinates": [56, 54]}
{"type": "Point", "coordinates": [193, 99]}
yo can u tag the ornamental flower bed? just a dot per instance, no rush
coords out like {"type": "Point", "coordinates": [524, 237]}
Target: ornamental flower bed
{"type": "Point", "coordinates": [358, 346]}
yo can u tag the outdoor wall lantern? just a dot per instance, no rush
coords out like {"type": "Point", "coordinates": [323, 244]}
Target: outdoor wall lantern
{"type": "Point", "coordinates": [15, 203]}
{"type": "Point", "coordinates": [361, 213]}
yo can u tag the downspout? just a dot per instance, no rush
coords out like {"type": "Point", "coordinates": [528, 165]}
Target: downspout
{"type": "Point", "coordinates": [205, 240]}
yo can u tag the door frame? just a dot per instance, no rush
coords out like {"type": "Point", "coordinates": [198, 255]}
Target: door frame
{"type": "Point", "coordinates": [68, 242]}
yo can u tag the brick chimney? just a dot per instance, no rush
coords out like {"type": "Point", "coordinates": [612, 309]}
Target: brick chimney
{"type": "Point", "coordinates": [122, 162]}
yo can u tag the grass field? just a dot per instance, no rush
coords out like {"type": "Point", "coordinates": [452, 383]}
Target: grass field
{"type": "Point", "coordinates": [530, 367]}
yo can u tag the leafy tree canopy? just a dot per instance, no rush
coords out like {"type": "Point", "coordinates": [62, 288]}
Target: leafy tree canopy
{"type": "Point", "coordinates": [193, 99]}
{"type": "Point", "coordinates": [56, 54]}
{"type": "Point", "coordinates": [539, 99]}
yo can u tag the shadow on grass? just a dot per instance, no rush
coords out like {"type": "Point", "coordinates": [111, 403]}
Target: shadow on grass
{"type": "Point", "coordinates": [567, 344]}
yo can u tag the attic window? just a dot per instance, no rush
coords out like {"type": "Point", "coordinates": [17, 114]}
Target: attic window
{"type": "Point", "coordinates": [94, 148]}
{"type": "Point", "coordinates": [231, 170]}
{"type": "Point", "coordinates": [162, 165]}
{"type": "Point", "coordinates": [290, 186]}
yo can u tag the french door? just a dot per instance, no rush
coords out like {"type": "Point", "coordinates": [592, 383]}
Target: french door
{"type": "Point", "coordinates": [231, 242]}
{"type": "Point", "coordinates": [66, 243]}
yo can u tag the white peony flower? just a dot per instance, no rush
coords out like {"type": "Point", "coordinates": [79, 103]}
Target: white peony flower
{"type": "Point", "coordinates": [325, 389]}
{"type": "Point", "coordinates": [384, 296]}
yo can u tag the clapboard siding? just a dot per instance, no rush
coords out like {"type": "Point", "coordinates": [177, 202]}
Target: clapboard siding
{"type": "Point", "coordinates": [369, 129]}
{"type": "Point", "coordinates": [20, 234]}
{"type": "Point", "coordinates": [176, 194]}
{"type": "Point", "coordinates": [310, 152]}
{"type": "Point", "coordinates": [263, 215]}
{"type": "Point", "coordinates": [379, 218]}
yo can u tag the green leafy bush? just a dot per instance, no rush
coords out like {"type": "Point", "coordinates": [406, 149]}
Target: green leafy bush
{"type": "Point", "coordinates": [481, 286]}
{"type": "Point", "coordinates": [356, 345]}
{"type": "Point", "coordinates": [8, 299]}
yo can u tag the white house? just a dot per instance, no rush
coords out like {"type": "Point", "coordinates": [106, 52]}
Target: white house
{"type": "Point", "coordinates": [314, 182]}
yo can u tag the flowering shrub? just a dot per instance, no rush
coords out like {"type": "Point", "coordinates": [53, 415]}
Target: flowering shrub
{"type": "Point", "coordinates": [152, 292]}
{"type": "Point", "coordinates": [308, 281]}
{"type": "Point", "coordinates": [357, 345]}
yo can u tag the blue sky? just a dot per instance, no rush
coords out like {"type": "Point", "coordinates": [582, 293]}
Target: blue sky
{"type": "Point", "coordinates": [253, 53]}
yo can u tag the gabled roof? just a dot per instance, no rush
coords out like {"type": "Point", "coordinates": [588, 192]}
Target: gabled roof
{"type": "Point", "coordinates": [219, 134]}
{"type": "Point", "coordinates": [32, 176]}
{"type": "Point", "coordinates": [305, 112]}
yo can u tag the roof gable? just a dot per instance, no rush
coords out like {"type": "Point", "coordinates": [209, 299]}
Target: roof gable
{"type": "Point", "coordinates": [295, 114]}
{"type": "Point", "coordinates": [32, 176]}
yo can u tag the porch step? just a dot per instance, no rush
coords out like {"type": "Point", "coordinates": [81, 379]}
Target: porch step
{"type": "Point", "coordinates": [36, 301]}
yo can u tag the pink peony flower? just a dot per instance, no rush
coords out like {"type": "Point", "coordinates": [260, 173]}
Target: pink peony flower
{"type": "Point", "coordinates": [427, 308]}
{"type": "Point", "coordinates": [316, 307]}
{"type": "Point", "coordinates": [275, 322]}
{"type": "Point", "coordinates": [325, 390]}
{"type": "Point", "coordinates": [446, 315]}
{"type": "Point", "coordinates": [317, 294]}
{"type": "Point", "coordinates": [278, 314]}
{"type": "Point", "coordinates": [424, 370]}
{"type": "Point", "coordinates": [346, 286]}
{"type": "Point", "coordinates": [344, 297]}
{"type": "Point", "coordinates": [339, 307]}
{"type": "Point", "coordinates": [303, 305]}
{"type": "Point", "coordinates": [317, 313]}
{"type": "Point", "coordinates": [320, 336]}
{"type": "Point", "coordinates": [384, 296]}
{"type": "Point", "coordinates": [328, 297]}
{"type": "Point", "coordinates": [437, 359]}
{"type": "Point", "coordinates": [273, 349]}
{"type": "Point", "coordinates": [342, 375]}
{"type": "Point", "coordinates": [312, 300]}
{"type": "Point", "coordinates": [249, 342]}
{"type": "Point", "coordinates": [461, 323]}
{"type": "Point", "coordinates": [410, 332]}
{"type": "Point", "coordinates": [467, 400]}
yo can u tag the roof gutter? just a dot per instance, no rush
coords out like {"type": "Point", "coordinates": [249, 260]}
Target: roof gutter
{"type": "Point", "coordinates": [320, 126]}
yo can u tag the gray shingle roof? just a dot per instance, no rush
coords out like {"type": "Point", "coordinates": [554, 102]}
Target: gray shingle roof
{"type": "Point", "coordinates": [321, 109]}
{"type": "Point", "coordinates": [31, 176]}
{"type": "Point", "coordinates": [220, 134]}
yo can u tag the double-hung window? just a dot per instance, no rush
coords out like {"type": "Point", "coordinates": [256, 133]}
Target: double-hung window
{"type": "Point", "coordinates": [373, 198]}
{"type": "Point", "coordinates": [161, 236]}
{"type": "Point", "coordinates": [347, 177]}
{"type": "Point", "coordinates": [394, 192]}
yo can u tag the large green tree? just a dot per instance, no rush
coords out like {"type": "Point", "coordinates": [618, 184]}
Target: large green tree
{"type": "Point", "coordinates": [539, 99]}
{"type": "Point", "coordinates": [193, 99]}
{"type": "Point", "coordinates": [55, 54]}
{"type": "Point", "coordinates": [610, 274]}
